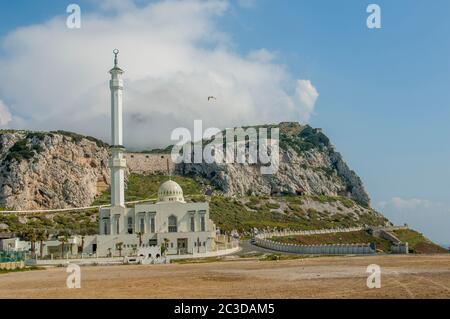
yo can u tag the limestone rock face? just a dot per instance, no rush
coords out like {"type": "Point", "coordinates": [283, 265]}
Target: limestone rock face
{"type": "Point", "coordinates": [308, 164]}
{"type": "Point", "coordinates": [50, 170]}
{"type": "Point", "coordinates": [62, 169]}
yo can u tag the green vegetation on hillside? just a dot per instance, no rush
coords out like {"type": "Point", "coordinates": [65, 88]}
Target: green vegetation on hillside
{"type": "Point", "coordinates": [307, 139]}
{"type": "Point", "coordinates": [166, 150]}
{"type": "Point", "coordinates": [417, 242]}
{"type": "Point", "coordinates": [22, 150]}
{"type": "Point", "coordinates": [257, 212]}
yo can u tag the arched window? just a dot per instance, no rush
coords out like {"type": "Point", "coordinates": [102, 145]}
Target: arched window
{"type": "Point", "coordinates": [173, 224]}
{"type": "Point", "coordinates": [105, 227]}
{"type": "Point", "coordinates": [192, 224]}
{"type": "Point", "coordinates": [142, 225]}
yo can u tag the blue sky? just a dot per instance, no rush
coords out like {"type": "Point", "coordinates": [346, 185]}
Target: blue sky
{"type": "Point", "coordinates": [384, 95]}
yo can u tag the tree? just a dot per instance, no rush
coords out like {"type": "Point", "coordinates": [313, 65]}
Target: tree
{"type": "Point", "coordinates": [63, 238]}
{"type": "Point", "coordinates": [41, 237]}
{"type": "Point", "coordinates": [29, 234]}
{"type": "Point", "coordinates": [139, 234]}
{"type": "Point", "coordinates": [83, 232]}
{"type": "Point", "coordinates": [165, 245]}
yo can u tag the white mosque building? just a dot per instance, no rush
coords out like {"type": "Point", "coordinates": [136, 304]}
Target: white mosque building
{"type": "Point", "coordinates": [182, 228]}
{"type": "Point", "coordinates": [171, 222]}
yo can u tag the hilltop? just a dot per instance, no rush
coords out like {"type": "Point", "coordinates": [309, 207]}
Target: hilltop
{"type": "Point", "coordinates": [62, 169]}
{"type": "Point", "coordinates": [51, 169]}
{"type": "Point", "coordinates": [314, 187]}
{"type": "Point", "coordinates": [309, 164]}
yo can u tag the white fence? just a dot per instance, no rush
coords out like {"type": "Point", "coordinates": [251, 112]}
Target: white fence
{"type": "Point", "coordinates": [344, 249]}
{"type": "Point", "coordinates": [227, 249]}
{"type": "Point", "coordinates": [284, 233]}
{"type": "Point", "coordinates": [349, 249]}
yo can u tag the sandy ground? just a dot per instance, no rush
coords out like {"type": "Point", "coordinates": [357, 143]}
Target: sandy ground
{"type": "Point", "coordinates": [325, 277]}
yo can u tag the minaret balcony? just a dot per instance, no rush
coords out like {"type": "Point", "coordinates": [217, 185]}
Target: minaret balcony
{"type": "Point", "coordinates": [116, 84]}
{"type": "Point", "coordinates": [118, 162]}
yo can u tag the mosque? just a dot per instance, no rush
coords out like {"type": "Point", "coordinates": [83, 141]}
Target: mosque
{"type": "Point", "coordinates": [171, 222]}
{"type": "Point", "coordinates": [170, 225]}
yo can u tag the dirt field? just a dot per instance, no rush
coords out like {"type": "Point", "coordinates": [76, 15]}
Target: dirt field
{"type": "Point", "coordinates": [325, 277]}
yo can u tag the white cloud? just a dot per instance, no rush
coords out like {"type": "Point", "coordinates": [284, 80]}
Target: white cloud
{"type": "Point", "coordinates": [262, 55]}
{"type": "Point", "coordinates": [410, 203]}
{"type": "Point", "coordinates": [174, 57]}
{"type": "Point", "coordinates": [5, 115]}
{"type": "Point", "coordinates": [307, 96]}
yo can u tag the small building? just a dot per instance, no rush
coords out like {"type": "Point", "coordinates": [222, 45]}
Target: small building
{"type": "Point", "coordinates": [14, 244]}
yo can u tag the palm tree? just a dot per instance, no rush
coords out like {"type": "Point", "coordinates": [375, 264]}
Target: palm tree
{"type": "Point", "coordinates": [63, 238]}
{"type": "Point", "coordinates": [29, 234]}
{"type": "Point", "coordinates": [139, 234]}
{"type": "Point", "coordinates": [83, 233]}
{"type": "Point", "coordinates": [41, 237]}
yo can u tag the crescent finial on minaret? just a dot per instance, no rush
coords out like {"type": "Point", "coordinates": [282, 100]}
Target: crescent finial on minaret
{"type": "Point", "coordinates": [116, 52]}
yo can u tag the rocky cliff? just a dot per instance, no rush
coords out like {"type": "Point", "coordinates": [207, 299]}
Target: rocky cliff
{"type": "Point", "coordinates": [62, 169]}
{"type": "Point", "coordinates": [51, 170]}
{"type": "Point", "coordinates": [308, 164]}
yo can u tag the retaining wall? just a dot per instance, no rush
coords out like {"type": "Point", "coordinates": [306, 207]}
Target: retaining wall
{"type": "Point", "coordinates": [351, 249]}
{"type": "Point", "coordinates": [284, 233]}
{"type": "Point", "coordinates": [121, 260]}
{"type": "Point", "coordinates": [148, 164]}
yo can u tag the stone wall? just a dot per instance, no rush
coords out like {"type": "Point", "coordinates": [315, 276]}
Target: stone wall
{"type": "Point", "coordinates": [351, 249]}
{"type": "Point", "coordinates": [264, 240]}
{"type": "Point", "coordinates": [147, 164]}
{"type": "Point", "coordinates": [346, 249]}
{"type": "Point", "coordinates": [283, 233]}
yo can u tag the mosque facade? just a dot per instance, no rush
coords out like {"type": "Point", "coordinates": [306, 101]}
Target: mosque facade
{"type": "Point", "coordinates": [179, 227]}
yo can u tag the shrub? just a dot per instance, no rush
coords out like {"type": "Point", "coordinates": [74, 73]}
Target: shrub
{"type": "Point", "coordinates": [19, 151]}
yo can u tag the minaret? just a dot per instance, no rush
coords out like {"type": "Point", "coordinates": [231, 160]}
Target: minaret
{"type": "Point", "coordinates": [117, 163]}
